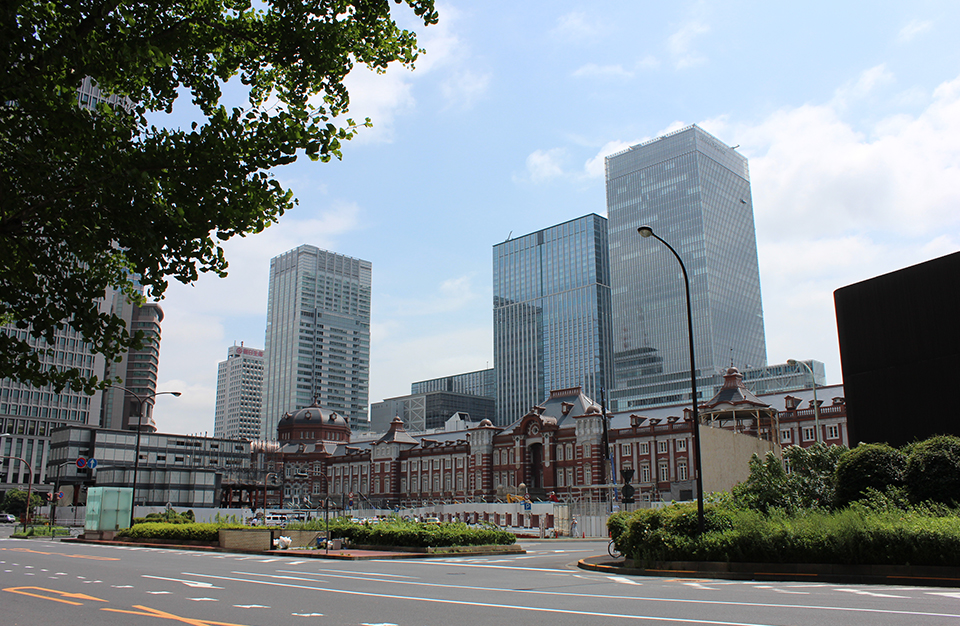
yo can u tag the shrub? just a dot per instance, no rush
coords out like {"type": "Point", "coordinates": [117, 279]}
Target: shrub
{"type": "Point", "coordinates": [856, 535]}
{"type": "Point", "coordinates": [176, 531]}
{"type": "Point", "coordinates": [398, 532]}
{"type": "Point", "coordinates": [933, 470]}
{"type": "Point", "coordinates": [869, 465]}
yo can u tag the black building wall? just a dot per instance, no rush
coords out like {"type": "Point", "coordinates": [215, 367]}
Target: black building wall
{"type": "Point", "coordinates": [900, 353]}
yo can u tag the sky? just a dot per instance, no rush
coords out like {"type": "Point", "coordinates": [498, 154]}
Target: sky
{"type": "Point", "coordinates": [849, 114]}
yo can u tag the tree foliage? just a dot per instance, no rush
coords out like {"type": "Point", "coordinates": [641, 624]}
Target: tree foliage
{"type": "Point", "coordinates": [868, 466]}
{"type": "Point", "coordinates": [91, 198]}
{"type": "Point", "coordinates": [933, 470]}
{"type": "Point", "coordinates": [808, 484]}
{"type": "Point", "coordinates": [15, 502]}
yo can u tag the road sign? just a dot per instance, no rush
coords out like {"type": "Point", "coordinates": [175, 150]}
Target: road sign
{"type": "Point", "coordinates": [81, 462]}
{"type": "Point", "coordinates": [92, 463]}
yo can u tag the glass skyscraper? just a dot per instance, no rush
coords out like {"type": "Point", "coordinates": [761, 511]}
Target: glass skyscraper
{"type": "Point", "coordinates": [694, 191]}
{"type": "Point", "coordinates": [318, 336]}
{"type": "Point", "coordinates": [551, 322]}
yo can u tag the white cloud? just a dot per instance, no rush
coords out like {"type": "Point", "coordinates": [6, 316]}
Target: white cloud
{"type": "Point", "coordinates": [648, 62]}
{"type": "Point", "coordinates": [680, 44]}
{"type": "Point", "coordinates": [442, 47]}
{"type": "Point", "coordinates": [912, 29]}
{"type": "Point", "coordinates": [544, 165]}
{"type": "Point", "coordinates": [866, 84]}
{"type": "Point", "coordinates": [381, 97]}
{"type": "Point", "coordinates": [453, 294]}
{"type": "Point", "coordinates": [464, 88]}
{"type": "Point", "coordinates": [811, 167]}
{"type": "Point", "coordinates": [404, 357]}
{"type": "Point", "coordinates": [595, 167]}
{"type": "Point", "coordinates": [577, 26]}
{"type": "Point", "coordinates": [592, 70]}
{"type": "Point", "coordinates": [835, 204]}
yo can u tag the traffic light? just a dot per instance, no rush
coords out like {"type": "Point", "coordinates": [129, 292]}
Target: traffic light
{"type": "Point", "coordinates": [627, 490]}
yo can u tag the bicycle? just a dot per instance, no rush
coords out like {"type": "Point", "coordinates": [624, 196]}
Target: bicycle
{"type": "Point", "coordinates": [613, 551]}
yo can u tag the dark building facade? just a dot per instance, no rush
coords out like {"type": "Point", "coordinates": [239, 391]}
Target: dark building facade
{"type": "Point", "coordinates": [900, 331]}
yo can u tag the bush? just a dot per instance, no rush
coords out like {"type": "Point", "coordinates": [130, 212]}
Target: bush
{"type": "Point", "coordinates": [857, 535]}
{"type": "Point", "coordinates": [869, 465]}
{"type": "Point", "coordinates": [394, 531]}
{"type": "Point", "coordinates": [933, 470]}
{"type": "Point", "coordinates": [176, 531]}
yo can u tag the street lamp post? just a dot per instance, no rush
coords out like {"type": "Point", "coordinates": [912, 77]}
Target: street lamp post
{"type": "Point", "coordinates": [141, 399]}
{"type": "Point", "coordinates": [266, 479]}
{"type": "Point", "coordinates": [647, 231]}
{"type": "Point", "coordinates": [26, 515]}
{"type": "Point", "coordinates": [816, 405]}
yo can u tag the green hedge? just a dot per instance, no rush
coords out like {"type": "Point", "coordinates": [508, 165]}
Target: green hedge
{"type": "Point", "coordinates": [854, 536]}
{"type": "Point", "coordinates": [398, 532]}
{"type": "Point", "coordinates": [176, 531]}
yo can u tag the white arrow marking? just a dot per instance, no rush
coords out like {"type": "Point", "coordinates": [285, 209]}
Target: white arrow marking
{"type": "Point", "coordinates": [188, 583]}
{"type": "Point", "coordinates": [860, 592]}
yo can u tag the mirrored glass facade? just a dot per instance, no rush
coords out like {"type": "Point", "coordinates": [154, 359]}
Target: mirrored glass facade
{"type": "Point", "coordinates": [694, 191]}
{"type": "Point", "coordinates": [551, 321]}
{"type": "Point", "coordinates": [318, 336]}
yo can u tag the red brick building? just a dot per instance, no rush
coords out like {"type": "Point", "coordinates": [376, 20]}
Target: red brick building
{"type": "Point", "coordinates": [556, 447]}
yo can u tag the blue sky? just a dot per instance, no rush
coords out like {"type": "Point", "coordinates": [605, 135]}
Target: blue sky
{"type": "Point", "coordinates": [848, 112]}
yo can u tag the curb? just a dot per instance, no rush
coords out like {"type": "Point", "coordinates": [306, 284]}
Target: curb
{"type": "Point", "coordinates": [919, 576]}
{"type": "Point", "coordinates": [341, 555]}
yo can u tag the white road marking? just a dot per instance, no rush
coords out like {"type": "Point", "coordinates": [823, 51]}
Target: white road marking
{"type": "Point", "coordinates": [651, 599]}
{"type": "Point", "coordinates": [122, 586]}
{"type": "Point", "coordinates": [699, 586]}
{"type": "Point", "coordinates": [861, 592]}
{"type": "Point", "coordinates": [947, 594]}
{"type": "Point", "coordinates": [159, 593]}
{"type": "Point", "coordinates": [624, 580]}
{"type": "Point", "coordinates": [204, 599]}
{"type": "Point", "coordinates": [188, 583]}
{"type": "Point", "coordinates": [251, 606]}
{"type": "Point", "coordinates": [307, 614]}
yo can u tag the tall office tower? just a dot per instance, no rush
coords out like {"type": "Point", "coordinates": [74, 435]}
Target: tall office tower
{"type": "Point", "coordinates": [318, 336]}
{"type": "Point", "coordinates": [137, 369]}
{"type": "Point", "coordinates": [478, 383]}
{"type": "Point", "coordinates": [694, 192]}
{"type": "Point", "coordinates": [551, 314]}
{"type": "Point", "coordinates": [239, 394]}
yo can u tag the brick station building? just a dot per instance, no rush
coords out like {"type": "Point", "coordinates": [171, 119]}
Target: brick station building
{"type": "Point", "coordinates": [557, 447]}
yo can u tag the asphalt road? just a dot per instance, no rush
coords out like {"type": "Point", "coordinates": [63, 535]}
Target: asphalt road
{"type": "Point", "coordinates": [49, 582]}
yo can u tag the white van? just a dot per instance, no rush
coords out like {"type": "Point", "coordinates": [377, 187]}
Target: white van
{"type": "Point", "coordinates": [276, 519]}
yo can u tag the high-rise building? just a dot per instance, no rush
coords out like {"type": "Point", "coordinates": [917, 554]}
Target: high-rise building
{"type": "Point", "coordinates": [318, 336]}
{"type": "Point", "coordinates": [551, 322]}
{"type": "Point", "coordinates": [137, 369]}
{"type": "Point", "coordinates": [694, 191]}
{"type": "Point", "coordinates": [239, 394]}
{"type": "Point", "coordinates": [30, 414]}
{"type": "Point", "coordinates": [478, 383]}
